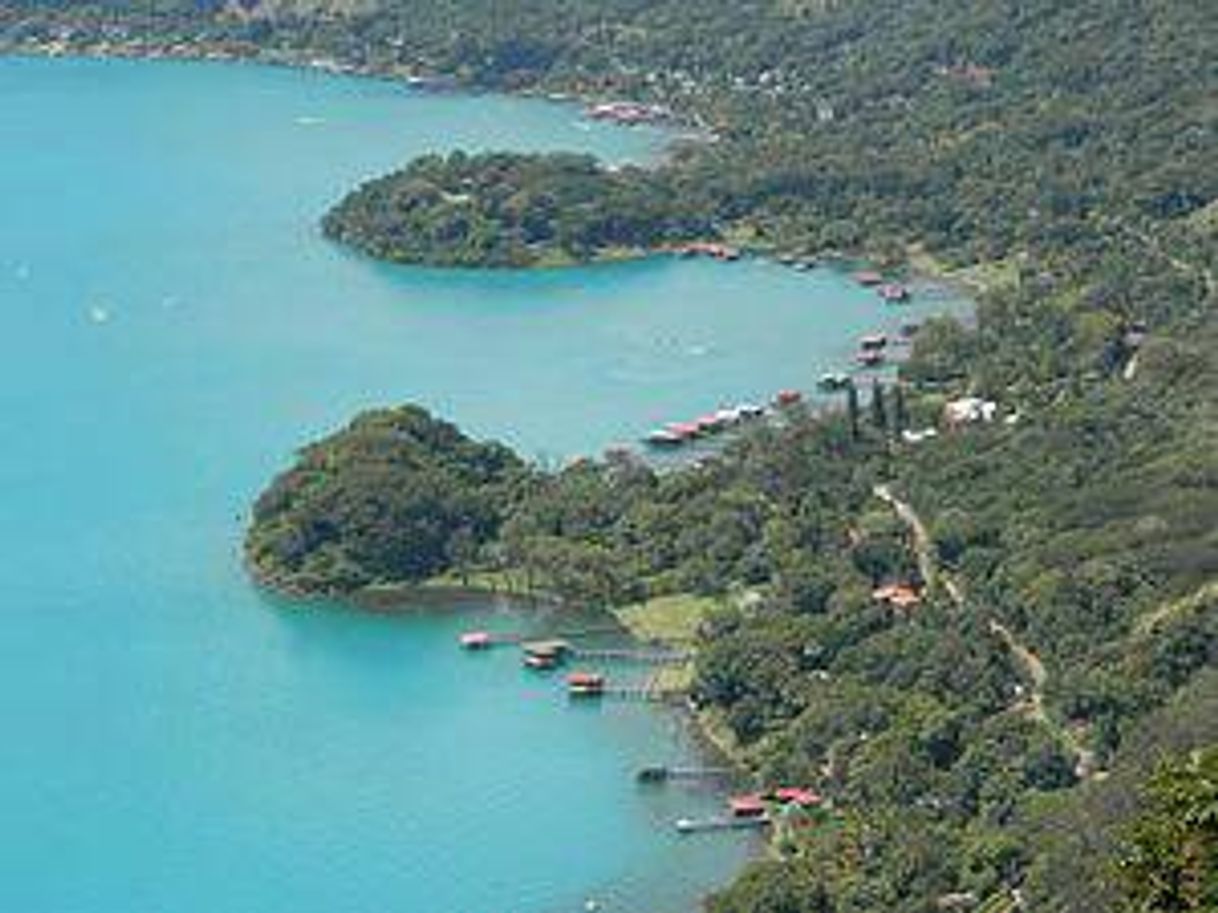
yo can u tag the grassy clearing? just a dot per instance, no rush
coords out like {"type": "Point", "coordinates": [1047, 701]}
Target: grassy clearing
{"type": "Point", "coordinates": [671, 619]}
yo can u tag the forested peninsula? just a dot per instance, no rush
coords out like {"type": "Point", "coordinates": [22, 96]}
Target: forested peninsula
{"type": "Point", "coordinates": [504, 209]}
{"type": "Point", "coordinates": [990, 745]}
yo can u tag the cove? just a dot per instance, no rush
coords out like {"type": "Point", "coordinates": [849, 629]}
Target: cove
{"type": "Point", "coordinates": [171, 327]}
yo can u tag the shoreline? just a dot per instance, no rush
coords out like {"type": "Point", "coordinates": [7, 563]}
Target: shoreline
{"type": "Point", "coordinates": [971, 282]}
{"type": "Point", "coordinates": [404, 600]}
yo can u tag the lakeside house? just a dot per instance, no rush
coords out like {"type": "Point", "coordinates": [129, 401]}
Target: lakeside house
{"type": "Point", "coordinates": [968, 410]}
{"type": "Point", "coordinates": [899, 596]}
{"type": "Point", "coordinates": [918, 435]}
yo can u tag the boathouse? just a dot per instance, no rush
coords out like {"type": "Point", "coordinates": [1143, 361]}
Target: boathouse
{"type": "Point", "coordinates": [751, 805]}
{"type": "Point", "coordinates": [544, 654]}
{"type": "Point", "coordinates": [585, 684]}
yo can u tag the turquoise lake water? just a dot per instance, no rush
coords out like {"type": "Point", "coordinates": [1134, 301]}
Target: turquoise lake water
{"type": "Point", "coordinates": [171, 327]}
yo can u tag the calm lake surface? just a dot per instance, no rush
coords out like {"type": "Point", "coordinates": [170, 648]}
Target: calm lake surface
{"type": "Point", "coordinates": [171, 327]}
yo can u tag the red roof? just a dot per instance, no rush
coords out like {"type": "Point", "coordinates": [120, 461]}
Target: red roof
{"type": "Point", "coordinates": [585, 678]}
{"type": "Point", "coordinates": [684, 429]}
{"type": "Point", "coordinates": [796, 795]}
{"type": "Point", "coordinates": [751, 804]}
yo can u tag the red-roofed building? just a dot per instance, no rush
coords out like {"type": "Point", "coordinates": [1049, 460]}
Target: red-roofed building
{"type": "Point", "coordinates": [747, 806]}
{"type": "Point", "coordinates": [797, 795]}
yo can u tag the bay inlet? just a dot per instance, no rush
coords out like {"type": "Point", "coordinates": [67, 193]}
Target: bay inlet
{"type": "Point", "coordinates": [172, 326]}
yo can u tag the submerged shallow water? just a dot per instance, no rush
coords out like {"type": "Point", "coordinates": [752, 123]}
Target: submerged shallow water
{"type": "Point", "coordinates": [171, 327]}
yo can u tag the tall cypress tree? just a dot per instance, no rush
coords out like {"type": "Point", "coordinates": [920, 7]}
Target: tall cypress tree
{"type": "Point", "coordinates": [900, 413]}
{"type": "Point", "coordinates": [879, 415]}
{"type": "Point", "coordinates": [852, 409]}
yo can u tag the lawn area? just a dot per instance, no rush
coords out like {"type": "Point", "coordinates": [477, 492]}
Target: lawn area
{"type": "Point", "coordinates": [672, 619]}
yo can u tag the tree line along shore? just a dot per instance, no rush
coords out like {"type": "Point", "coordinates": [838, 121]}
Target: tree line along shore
{"type": "Point", "coordinates": [1065, 150]}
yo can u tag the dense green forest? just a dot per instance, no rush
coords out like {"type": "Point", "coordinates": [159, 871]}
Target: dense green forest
{"type": "Point", "coordinates": [996, 745]}
{"type": "Point", "coordinates": [980, 130]}
{"type": "Point", "coordinates": [500, 209]}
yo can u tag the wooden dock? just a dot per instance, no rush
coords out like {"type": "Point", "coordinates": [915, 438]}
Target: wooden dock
{"type": "Point", "coordinates": [645, 692]}
{"type": "Point", "coordinates": [625, 654]}
{"type": "Point", "coordinates": [659, 773]}
{"type": "Point", "coordinates": [720, 823]}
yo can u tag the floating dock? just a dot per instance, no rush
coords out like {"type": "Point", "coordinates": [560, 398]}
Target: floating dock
{"type": "Point", "coordinates": [720, 823]}
{"type": "Point", "coordinates": [660, 773]}
{"type": "Point", "coordinates": [658, 657]}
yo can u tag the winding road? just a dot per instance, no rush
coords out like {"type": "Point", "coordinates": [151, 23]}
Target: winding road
{"type": "Point", "coordinates": [1032, 706]}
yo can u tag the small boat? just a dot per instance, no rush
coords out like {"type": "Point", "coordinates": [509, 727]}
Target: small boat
{"type": "Point", "coordinates": [663, 437]}
{"type": "Point", "coordinates": [585, 684]}
{"type": "Point", "coordinates": [654, 774]}
{"type": "Point", "coordinates": [868, 277]}
{"type": "Point", "coordinates": [686, 431]}
{"type": "Point", "coordinates": [787, 397]}
{"type": "Point", "coordinates": [871, 358]}
{"type": "Point", "coordinates": [894, 293]}
{"type": "Point", "coordinates": [475, 640]}
{"type": "Point", "coordinates": [709, 424]}
{"type": "Point", "coordinates": [831, 383]}
{"type": "Point", "coordinates": [873, 342]}
{"type": "Point", "coordinates": [540, 660]}
{"type": "Point", "coordinates": [750, 411]}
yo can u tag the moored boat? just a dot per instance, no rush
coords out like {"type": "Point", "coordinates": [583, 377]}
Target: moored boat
{"type": "Point", "coordinates": [894, 293]}
{"type": "Point", "coordinates": [475, 640]}
{"type": "Point", "coordinates": [834, 381]}
{"type": "Point", "coordinates": [873, 342]}
{"type": "Point", "coordinates": [585, 684]}
{"type": "Point", "coordinates": [870, 358]}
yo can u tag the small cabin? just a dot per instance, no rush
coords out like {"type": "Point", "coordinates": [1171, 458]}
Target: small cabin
{"type": "Point", "coordinates": [968, 410]}
{"type": "Point", "coordinates": [544, 654]}
{"type": "Point", "coordinates": [798, 796]}
{"type": "Point", "coordinates": [901, 596]}
{"type": "Point", "coordinates": [747, 806]}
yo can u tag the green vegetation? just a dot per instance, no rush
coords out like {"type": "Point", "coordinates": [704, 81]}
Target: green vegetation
{"type": "Point", "coordinates": [984, 131]}
{"type": "Point", "coordinates": [991, 739]}
{"type": "Point", "coordinates": [395, 498]}
{"type": "Point", "coordinates": [1170, 856]}
{"type": "Point", "coordinates": [501, 209]}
